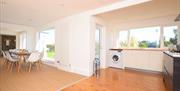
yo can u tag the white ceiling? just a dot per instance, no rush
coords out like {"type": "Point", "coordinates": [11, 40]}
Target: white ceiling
{"type": "Point", "coordinates": [38, 12]}
{"type": "Point", "coordinates": [147, 10]}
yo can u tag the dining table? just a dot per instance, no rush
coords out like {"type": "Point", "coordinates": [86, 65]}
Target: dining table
{"type": "Point", "coordinates": [21, 53]}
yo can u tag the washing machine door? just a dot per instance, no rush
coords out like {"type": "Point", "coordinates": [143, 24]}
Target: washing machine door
{"type": "Point", "coordinates": [115, 58]}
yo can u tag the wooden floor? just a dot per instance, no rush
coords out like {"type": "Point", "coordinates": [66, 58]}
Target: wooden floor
{"type": "Point", "coordinates": [120, 80]}
{"type": "Point", "coordinates": [51, 79]}
{"type": "Point", "coordinates": [46, 79]}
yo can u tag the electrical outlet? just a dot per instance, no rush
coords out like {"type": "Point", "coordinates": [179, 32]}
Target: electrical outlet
{"type": "Point", "coordinates": [58, 61]}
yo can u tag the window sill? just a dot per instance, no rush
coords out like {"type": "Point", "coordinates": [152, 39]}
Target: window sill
{"type": "Point", "coordinates": [140, 49]}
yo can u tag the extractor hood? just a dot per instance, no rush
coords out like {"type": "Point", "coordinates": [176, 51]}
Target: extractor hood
{"type": "Point", "coordinates": [177, 18]}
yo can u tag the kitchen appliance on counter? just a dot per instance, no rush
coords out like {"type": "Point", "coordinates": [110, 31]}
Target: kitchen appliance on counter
{"type": "Point", "coordinates": [175, 48]}
{"type": "Point", "coordinates": [178, 47]}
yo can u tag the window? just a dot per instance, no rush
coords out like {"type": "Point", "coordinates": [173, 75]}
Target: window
{"type": "Point", "coordinates": [123, 39]}
{"type": "Point", "coordinates": [145, 37]}
{"type": "Point", "coordinates": [47, 40]}
{"type": "Point", "coordinates": [170, 35]}
{"type": "Point", "coordinates": [23, 40]}
{"type": "Point", "coordinates": [149, 37]}
{"type": "Point", "coordinates": [98, 41]}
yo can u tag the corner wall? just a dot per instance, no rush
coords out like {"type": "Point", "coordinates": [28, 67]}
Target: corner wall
{"type": "Point", "coordinates": [73, 43]}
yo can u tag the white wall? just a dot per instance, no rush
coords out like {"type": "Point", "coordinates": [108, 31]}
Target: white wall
{"type": "Point", "coordinates": [73, 43]}
{"type": "Point", "coordinates": [80, 55]}
{"type": "Point", "coordinates": [13, 29]}
{"type": "Point", "coordinates": [8, 32]}
{"type": "Point", "coordinates": [156, 21]}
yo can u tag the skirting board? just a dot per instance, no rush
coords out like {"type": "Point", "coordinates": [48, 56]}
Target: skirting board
{"type": "Point", "coordinates": [81, 71]}
{"type": "Point", "coordinates": [142, 70]}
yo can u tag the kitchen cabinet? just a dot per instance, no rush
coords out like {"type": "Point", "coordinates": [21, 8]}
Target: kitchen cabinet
{"type": "Point", "coordinates": [171, 72]}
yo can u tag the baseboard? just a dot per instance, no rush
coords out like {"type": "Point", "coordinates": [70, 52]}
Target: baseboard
{"type": "Point", "coordinates": [52, 65]}
{"type": "Point", "coordinates": [143, 70]}
{"type": "Point", "coordinates": [77, 70]}
{"type": "Point", "coordinates": [81, 71]}
{"type": "Point", "coordinates": [64, 67]}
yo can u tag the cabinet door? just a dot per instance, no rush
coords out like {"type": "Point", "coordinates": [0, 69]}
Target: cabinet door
{"type": "Point", "coordinates": [155, 60]}
{"type": "Point", "coordinates": [167, 80]}
{"type": "Point", "coordinates": [176, 76]}
{"type": "Point", "coordinates": [169, 63]}
{"type": "Point", "coordinates": [168, 72]}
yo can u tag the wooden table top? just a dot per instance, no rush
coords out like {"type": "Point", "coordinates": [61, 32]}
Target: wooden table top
{"type": "Point", "coordinates": [20, 53]}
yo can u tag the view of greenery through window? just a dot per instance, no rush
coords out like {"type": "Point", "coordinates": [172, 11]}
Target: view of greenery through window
{"type": "Point", "coordinates": [123, 39]}
{"type": "Point", "coordinates": [148, 37]}
{"type": "Point", "coordinates": [97, 42]}
{"type": "Point", "coordinates": [170, 36]}
{"type": "Point", "coordinates": [145, 37]}
{"type": "Point", "coordinates": [50, 50]}
{"type": "Point", "coordinates": [48, 40]}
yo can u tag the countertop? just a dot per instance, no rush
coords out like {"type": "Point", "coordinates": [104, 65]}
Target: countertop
{"type": "Point", "coordinates": [139, 49]}
{"type": "Point", "coordinates": [172, 54]}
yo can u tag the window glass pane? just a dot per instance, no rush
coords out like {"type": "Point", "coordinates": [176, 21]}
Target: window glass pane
{"type": "Point", "coordinates": [123, 39]}
{"type": "Point", "coordinates": [23, 40]}
{"type": "Point", "coordinates": [170, 35]}
{"type": "Point", "coordinates": [145, 37]}
{"type": "Point", "coordinates": [47, 38]}
{"type": "Point", "coordinates": [97, 42]}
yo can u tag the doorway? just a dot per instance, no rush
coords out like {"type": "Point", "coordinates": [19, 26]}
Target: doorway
{"type": "Point", "coordinates": [8, 42]}
{"type": "Point", "coordinates": [98, 42]}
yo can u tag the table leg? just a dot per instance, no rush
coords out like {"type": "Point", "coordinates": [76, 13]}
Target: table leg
{"type": "Point", "coordinates": [20, 63]}
{"type": "Point", "coordinates": [19, 66]}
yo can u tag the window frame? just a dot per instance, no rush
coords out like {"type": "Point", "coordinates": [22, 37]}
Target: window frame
{"type": "Point", "coordinates": [178, 32]}
{"type": "Point", "coordinates": [39, 40]}
{"type": "Point", "coordinates": [128, 35]}
{"type": "Point", "coordinates": [161, 39]}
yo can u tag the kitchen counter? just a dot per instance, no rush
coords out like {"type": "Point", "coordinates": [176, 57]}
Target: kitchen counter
{"type": "Point", "coordinates": [171, 71]}
{"type": "Point", "coordinates": [173, 54]}
{"type": "Point", "coordinates": [139, 49]}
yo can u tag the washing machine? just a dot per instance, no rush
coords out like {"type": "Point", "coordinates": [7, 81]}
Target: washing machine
{"type": "Point", "coordinates": [116, 60]}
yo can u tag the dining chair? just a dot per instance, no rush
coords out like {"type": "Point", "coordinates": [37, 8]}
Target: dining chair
{"type": "Point", "coordinates": [4, 58]}
{"type": "Point", "coordinates": [12, 61]}
{"type": "Point", "coordinates": [14, 51]}
{"type": "Point", "coordinates": [34, 58]}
